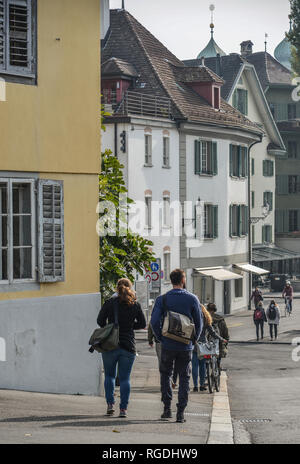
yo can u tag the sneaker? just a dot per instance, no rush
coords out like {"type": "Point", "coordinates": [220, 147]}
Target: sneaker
{"type": "Point", "coordinates": [123, 413]}
{"type": "Point", "coordinates": [180, 417]}
{"type": "Point", "coordinates": [195, 389]}
{"type": "Point", "coordinates": [167, 414]}
{"type": "Point", "coordinates": [110, 410]}
{"type": "Point", "coordinates": [174, 385]}
{"type": "Point", "coordinates": [203, 388]}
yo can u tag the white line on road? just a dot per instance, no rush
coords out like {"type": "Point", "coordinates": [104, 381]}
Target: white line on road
{"type": "Point", "coordinates": [221, 429]}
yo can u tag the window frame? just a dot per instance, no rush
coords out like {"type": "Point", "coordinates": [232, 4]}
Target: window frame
{"type": "Point", "coordinates": [148, 212]}
{"type": "Point", "coordinates": [167, 272]}
{"type": "Point", "coordinates": [166, 152]}
{"type": "Point", "coordinates": [10, 248]}
{"type": "Point", "coordinates": [166, 223]}
{"type": "Point", "coordinates": [148, 150]}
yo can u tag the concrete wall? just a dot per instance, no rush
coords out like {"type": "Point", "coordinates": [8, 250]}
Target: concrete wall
{"type": "Point", "coordinates": [47, 345]}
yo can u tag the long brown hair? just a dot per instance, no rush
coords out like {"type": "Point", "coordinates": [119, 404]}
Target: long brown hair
{"type": "Point", "coordinates": [125, 292]}
{"type": "Point", "coordinates": [207, 317]}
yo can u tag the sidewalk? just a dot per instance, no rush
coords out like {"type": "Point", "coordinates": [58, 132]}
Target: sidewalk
{"type": "Point", "coordinates": [44, 418]}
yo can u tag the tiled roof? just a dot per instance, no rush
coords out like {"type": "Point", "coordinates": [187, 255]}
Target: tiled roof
{"type": "Point", "coordinates": [116, 66]}
{"type": "Point", "coordinates": [269, 70]}
{"type": "Point", "coordinates": [197, 74]}
{"type": "Point", "coordinates": [160, 73]}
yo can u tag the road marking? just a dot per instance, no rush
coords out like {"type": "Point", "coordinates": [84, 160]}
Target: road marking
{"type": "Point", "coordinates": [238, 324]}
{"type": "Point", "coordinates": [221, 429]}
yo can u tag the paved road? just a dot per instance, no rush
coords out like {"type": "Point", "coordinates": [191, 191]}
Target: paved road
{"type": "Point", "coordinates": [264, 382]}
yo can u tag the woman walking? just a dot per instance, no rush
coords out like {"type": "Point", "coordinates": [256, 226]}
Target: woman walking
{"type": "Point", "coordinates": [273, 318]}
{"type": "Point", "coordinates": [130, 318]}
{"type": "Point", "coordinates": [259, 319]}
{"type": "Point", "coordinates": [199, 366]}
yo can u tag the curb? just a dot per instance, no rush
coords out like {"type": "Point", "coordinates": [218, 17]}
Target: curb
{"type": "Point", "coordinates": [221, 429]}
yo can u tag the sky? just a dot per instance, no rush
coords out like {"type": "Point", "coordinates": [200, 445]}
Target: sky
{"type": "Point", "coordinates": [183, 26]}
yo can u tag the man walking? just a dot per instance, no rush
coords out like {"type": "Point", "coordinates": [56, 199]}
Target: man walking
{"type": "Point", "coordinates": [178, 300]}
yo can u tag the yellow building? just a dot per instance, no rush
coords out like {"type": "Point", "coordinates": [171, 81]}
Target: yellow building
{"type": "Point", "coordinates": [49, 163]}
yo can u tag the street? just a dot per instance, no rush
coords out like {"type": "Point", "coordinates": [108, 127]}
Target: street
{"type": "Point", "coordinates": [263, 386]}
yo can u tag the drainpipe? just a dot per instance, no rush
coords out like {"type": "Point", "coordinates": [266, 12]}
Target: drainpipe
{"type": "Point", "coordinates": [116, 140]}
{"type": "Point", "coordinates": [249, 218]}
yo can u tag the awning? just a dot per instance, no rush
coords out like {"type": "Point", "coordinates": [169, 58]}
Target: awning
{"type": "Point", "coordinates": [218, 274]}
{"type": "Point", "coordinates": [250, 268]}
{"type": "Point", "coordinates": [272, 253]}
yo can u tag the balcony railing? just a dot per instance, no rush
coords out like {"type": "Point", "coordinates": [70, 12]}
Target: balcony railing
{"type": "Point", "coordinates": [135, 103]}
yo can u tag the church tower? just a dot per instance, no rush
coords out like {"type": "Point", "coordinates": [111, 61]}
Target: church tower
{"type": "Point", "coordinates": [212, 49]}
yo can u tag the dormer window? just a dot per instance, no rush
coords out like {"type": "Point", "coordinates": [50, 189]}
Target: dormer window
{"type": "Point", "coordinates": [217, 98]}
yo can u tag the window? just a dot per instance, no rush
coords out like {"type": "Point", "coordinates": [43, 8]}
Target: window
{"type": "Point", "coordinates": [294, 220]}
{"type": "Point", "coordinates": [267, 234]}
{"type": "Point", "coordinates": [148, 150]}
{"type": "Point", "coordinates": [216, 98]}
{"type": "Point", "coordinates": [148, 212]}
{"type": "Point", "coordinates": [238, 283]}
{"type": "Point", "coordinates": [166, 152]}
{"type": "Point", "coordinates": [294, 184]}
{"type": "Point", "coordinates": [253, 199]}
{"type": "Point", "coordinates": [253, 234]}
{"type": "Point", "coordinates": [166, 211]}
{"type": "Point", "coordinates": [268, 200]}
{"type": "Point", "coordinates": [17, 37]}
{"type": "Point", "coordinates": [19, 238]}
{"type": "Point", "coordinates": [282, 184]}
{"type": "Point", "coordinates": [210, 225]}
{"type": "Point", "coordinates": [240, 100]}
{"type": "Point", "coordinates": [206, 160]}
{"type": "Point", "coordinates": [292, 111]}
{"type": "Point", "coordinates": [252, 166]}
{"type": "Point", "coordinates": [238, 161]}
{"type": "Point", "coordinates": [293, 149]}
{"type": "Point", "coordinates": [238, 220]}
{"type": "Point", "coordinates": [268, 168]}
{"type": "Point", "coordinates": [167, 265]}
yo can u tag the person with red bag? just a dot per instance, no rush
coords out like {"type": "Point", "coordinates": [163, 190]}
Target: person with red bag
{"type": "Point", "coordinates": [259, 319]}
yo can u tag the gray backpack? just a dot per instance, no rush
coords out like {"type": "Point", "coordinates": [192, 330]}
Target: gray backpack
{"type": "Point", "coordinates": [106, 338]}
{"type": "Point", "coordinates": [177, 326]}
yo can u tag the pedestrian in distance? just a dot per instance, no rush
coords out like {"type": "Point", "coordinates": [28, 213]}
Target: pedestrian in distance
{"type": "Point", "coordinates": [259, 318]}
{"type": "Point", "coordinates": [199, 365]}
{"type": "Point", "coordinates": [287, 294]}
{"type": "Point", "coordinates": [273, 318]}
{"type": "Point", "coordinates": [256, 297]}
{"type": "Point", "coordinates": [130, 318]}
{"type": "Point", "coordinates": [180, 307]}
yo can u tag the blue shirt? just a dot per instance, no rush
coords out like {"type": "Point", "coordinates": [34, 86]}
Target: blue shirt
{"type": "Point", "coordinates": [183, 302]}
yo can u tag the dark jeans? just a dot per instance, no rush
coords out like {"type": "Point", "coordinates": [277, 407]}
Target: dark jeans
{"type": "Point", "coordinates": [124, 361]}
{"type": "Point", "coordinates": [271, 330]}
{"type": "Point", "coordinates": [259, 324]}
{"type": "Point", "coordinates": [198, 370]}
{"type": "Point", "coordinates": [182, 359]}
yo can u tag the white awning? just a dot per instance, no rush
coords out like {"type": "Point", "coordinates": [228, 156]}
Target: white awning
{"type": "Point", "coordinates": [250, 268]}
{"type": "Point", "coordinates": [219, 274]}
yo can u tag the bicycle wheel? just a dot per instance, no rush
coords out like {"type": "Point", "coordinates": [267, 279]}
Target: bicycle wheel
{"type": "Point", "coordinates": [217, 375]}
{"type": "Point", "coordinates": [208, 376]}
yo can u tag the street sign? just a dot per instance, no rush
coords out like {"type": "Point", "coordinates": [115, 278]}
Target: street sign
{"type": "Point", "coordinates": [153, 275]}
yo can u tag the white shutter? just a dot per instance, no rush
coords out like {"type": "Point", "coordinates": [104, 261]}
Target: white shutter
{"type": "Point", "coordinates": [51, 230]}
{"type": "Point", "coordinates": [2, 35]}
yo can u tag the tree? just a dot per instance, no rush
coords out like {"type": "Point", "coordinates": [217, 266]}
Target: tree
{"type": "Point", "coordinates": [294, 34]}
{"type": "Point", "coordinates": [120, 256]}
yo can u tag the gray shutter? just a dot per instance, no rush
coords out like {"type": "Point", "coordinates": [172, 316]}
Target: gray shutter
{"type": "Point", "coordinates": [263, 234]}
{"type": "Point", "coordinates": [272, 168]}
{"type": "Point", "coordinates": [231, 160]}
{"type": "Point", "coordinates": [51, 230]}
{"type": "Point", "coordinates": [252, 166]}
{"type": "Point", "coordinates": [230, 221]}
{"type": "Point", "coordinates": [246, 101]}
{"type": "Point", "coordinates": [246, 161]}
{"type": "Point", "coordinates": [197, 157]}
{"type": "Point", "coordinates": [235, 99]}
{"type": "Point", "coordinates": [265, 167]}
{"type": "Point", "coordinates": [19, 40]}
{"type": "Point", "coordinates": [282, 184]}
{"type": "Point", "coordinates": [215, 158]}
{"type": "Point", "coordinates": [240, 220]}
{"type": "Point", "coordinates": [215, 221]}
{"type": "Point", "coordinates": [2, 35]}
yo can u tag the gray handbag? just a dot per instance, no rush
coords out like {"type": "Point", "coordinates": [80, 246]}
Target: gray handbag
{"type": "Point", "coordinates": [210, 348]}
{"type": "Point", "coordinates": [106, 338]}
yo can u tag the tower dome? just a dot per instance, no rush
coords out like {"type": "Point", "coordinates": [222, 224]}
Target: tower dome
{"type": "Point", "coordinates": [283, 52]}
{"type": "Point", "coordinates": [212, 49]}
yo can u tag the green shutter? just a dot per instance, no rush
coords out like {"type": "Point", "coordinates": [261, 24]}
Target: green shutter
{"type": "Point", "coordinates": [230, 221]}
{"type": "Point", "coordinates": [265, 167]}
{"type": "Point", "coordinates": [246, 220]}
{"type": "Point", "coordinates": [245, 101]}
{"type": "Point", "coordinates": [252, 166]}
{"type": "Point", "coordinates": [231, 160]}
{"type": "Point", "coordinates": [197, 157]}
{"type": "Point", "coordinates": [215, 221]}
{"type": "Point", "coordinates": [235, 99]}
{"type": "Point", "coordinates": [245, 150]}
{"type": "Point", "coordinates": [240, 221]}
{"type": "Point", "coordinates": [272, 169]}
{"type": "Point", "coordinates": [214, 158]}
{"type": "Point", "coordinates": [263, 234]}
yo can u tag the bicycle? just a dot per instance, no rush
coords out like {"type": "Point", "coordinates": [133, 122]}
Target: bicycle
{"type": "Point", "coordinates": [287, 308]}
{"type": "Point", "coordinates": [213, 372]}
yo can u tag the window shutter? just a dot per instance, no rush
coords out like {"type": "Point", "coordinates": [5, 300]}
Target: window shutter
{"type": "Point", "coordinates": [246, 101]}
{"type": "Point", "coordinates": [51, 231]}
{"type": "Point", "coordinates": [282, 184]}
{"type": "Point", "coordinates": [263, 234]}
{"type": "Point", "coordinates": [215, 221]}
{"type": "Point", "coordinates": [231, 160]}
{"type": "Point", "coordinates": [252, 166]}
{"type": "Point", "coordinates": [230, 221]}
{"type": "Point", "coordinates": [2, 35]}
{"type": "Point", "coordinates": [272, 168]}
{"type": "Point", "coordinates": [240, 221]}
{"type": "Point", "coordinates": [264, 167]}
{"type": "Point", "coordinates": [19, 50]}
{"type": "Point", "coordinates": [197, 157]}
{"type": "Point", "coordinates": [215, 158]}
{"type": "Point", "coordinates": [235, 99]}
{"type": "Point", "coordinates": [246, 161]}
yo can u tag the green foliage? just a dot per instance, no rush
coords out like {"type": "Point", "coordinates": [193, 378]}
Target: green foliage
{"type": "Point", "coordinates": [120, 256]}
{"type": "Point", "coordinates": [294, 35]}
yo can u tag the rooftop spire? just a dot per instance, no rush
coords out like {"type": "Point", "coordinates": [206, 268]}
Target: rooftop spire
{"type": "Point", "coordinates": [266, 42]}
{"type": "Point", "coordinates": [212, 9]}
{"type": "Point", "coordinates": [123, 4]}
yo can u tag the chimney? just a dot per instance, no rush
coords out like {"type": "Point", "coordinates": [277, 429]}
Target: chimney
{"type": "Point", "coordinates": [246, 48]}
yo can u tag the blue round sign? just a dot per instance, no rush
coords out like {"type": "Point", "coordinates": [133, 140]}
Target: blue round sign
{"type": "Point", "coordinates": [154, 267]}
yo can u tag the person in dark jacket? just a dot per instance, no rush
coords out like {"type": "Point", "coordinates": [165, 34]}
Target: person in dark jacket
{"type": "Point", "coordinates": [273, 318]}
{"type": "Point", "coordinates": [259, 319]}
{"type": "Point", "coordinates": [199, 365]}
{"type": "Point", "coordinates": [256, 297]}
{"type": "Point", "coordinates": [178, 300]}
{"type": "Point", "coordinates": [220, 323]}
{"type": "Point", "coordinates": [130, 318]}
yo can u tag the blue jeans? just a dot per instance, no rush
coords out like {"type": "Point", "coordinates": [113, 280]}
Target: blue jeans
{"type": "Point", "coordinates": [198, 369]}
{"type": "Point", "coordinates": [124, 360]}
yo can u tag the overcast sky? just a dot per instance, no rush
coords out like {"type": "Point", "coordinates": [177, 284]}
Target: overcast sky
{"type": "Point", "coordinates": [183, 26]}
